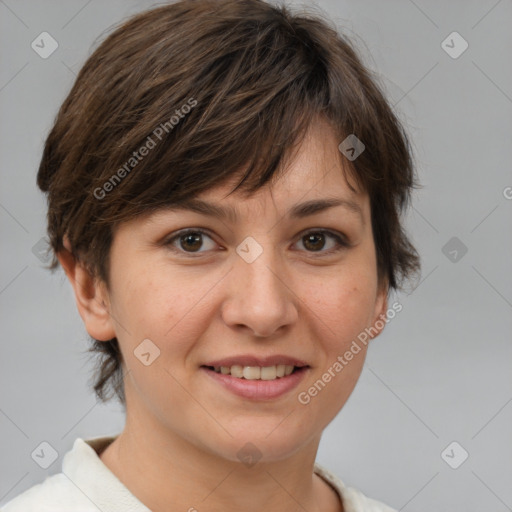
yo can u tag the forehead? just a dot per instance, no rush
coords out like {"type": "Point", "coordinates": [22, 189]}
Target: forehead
{"type": "Point", "coordinates": [315, 178]}
{"type": "Point", "coordinates": [316, 170]}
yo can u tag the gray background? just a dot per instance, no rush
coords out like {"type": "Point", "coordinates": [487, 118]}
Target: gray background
{"type": "Point", "coordinates": [439, 373]}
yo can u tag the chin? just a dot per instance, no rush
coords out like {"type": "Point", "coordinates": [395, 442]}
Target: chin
{"type": "Point", "coordinates": [260, 444]}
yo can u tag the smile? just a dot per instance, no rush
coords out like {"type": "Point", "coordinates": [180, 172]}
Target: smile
{"type": "Point", "coordinates": [256, 372]}
{"type": "Point", "coordinates": [257, 383]}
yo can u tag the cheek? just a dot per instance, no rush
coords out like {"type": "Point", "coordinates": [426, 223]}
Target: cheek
{"type": "Point", "coordinates": [343, 305]}
{"type": "Point", "coordinates": [169, 308]}
{"type": "Point", "coordinates": [339, 311]}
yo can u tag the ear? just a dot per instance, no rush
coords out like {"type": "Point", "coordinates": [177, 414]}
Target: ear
{"type": "Point", "coordinates": [91, 296]}
{"type": "Point", "coordinates": [380, 310]}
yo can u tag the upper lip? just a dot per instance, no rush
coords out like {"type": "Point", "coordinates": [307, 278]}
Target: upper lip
{"type": "Point", "coordinates": [251, 360]}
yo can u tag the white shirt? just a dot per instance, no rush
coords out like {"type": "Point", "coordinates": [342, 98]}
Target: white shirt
{"type": "Point", "coordinates": [87, 485]}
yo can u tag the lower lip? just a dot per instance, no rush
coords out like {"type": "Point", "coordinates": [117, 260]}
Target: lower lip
{"type": "Point", "coordinates": [258, 389]}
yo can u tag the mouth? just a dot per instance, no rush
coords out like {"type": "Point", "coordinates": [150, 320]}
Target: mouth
{"type": "Point", "coordinates": [257, 383]}
{"type": "Point", "coordinates": [265, 373]}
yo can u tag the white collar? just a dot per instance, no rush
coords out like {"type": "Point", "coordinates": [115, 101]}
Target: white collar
{"type": "Point", "coordinates": [83, 466]}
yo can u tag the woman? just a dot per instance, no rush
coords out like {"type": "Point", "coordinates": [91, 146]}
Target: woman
{"type": "Point", "coordinates": [225, 182]}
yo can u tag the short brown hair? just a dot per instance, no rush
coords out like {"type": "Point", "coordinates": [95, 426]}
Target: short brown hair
{"type": "Point", "coordinates": [255, 76]}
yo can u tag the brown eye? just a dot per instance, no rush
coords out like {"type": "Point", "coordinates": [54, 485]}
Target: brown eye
{"type": "Point", "coordinates": [316, 241]}
{"type": "Point", "coordinates": [189, 241]}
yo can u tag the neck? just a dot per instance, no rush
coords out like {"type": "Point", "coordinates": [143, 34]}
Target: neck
{"type": "Point", "coordinates": [167, 470]}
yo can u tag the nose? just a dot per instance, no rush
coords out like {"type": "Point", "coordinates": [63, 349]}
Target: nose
{"type": "Point", "coordinates": [260, 298]}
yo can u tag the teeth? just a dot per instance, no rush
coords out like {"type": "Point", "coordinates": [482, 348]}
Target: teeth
{"type": "Point", "coordinates": [235, 371]}
{"type": "Point", "coordinates": [252, 372]}
{"type": "Point", "coordinates": [256, 372]}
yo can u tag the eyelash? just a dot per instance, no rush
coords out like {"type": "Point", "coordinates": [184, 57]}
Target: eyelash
{"type": "Point", "coordinates": [340, 241]}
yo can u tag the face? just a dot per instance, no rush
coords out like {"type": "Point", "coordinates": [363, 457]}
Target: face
{"type": "Point", "coordinates": [266, 282]}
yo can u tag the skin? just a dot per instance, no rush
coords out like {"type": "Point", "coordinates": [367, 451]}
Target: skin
{"type": "Point", "coordinates": [183, 431]}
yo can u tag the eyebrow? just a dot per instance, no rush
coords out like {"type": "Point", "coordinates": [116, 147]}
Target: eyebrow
{"type": "Point", "coordinates": [299, 211]}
